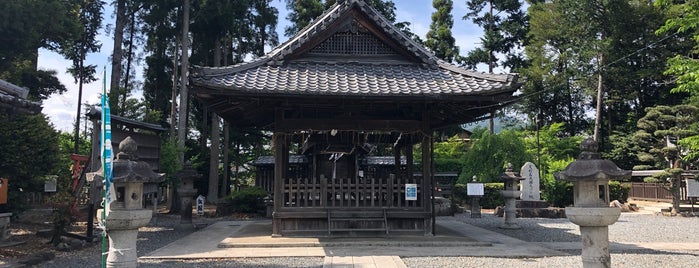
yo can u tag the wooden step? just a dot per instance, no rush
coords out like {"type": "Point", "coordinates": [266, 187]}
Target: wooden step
{"type": "Point", "coordinates": [359, 230]}
{"type": "Point", "coordinates": [357, 219]}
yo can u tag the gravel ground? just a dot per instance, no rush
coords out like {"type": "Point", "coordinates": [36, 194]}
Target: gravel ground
{"type": "Point", "coordinates": [629, 228]}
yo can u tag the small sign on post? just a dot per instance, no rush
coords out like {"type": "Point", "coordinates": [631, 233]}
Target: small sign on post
{"type": "Point", "coordinates": [475, 189]}
{"type": "Point", "coordinates": [410, 191]}
{"type": "Point", "coordinates": [200, 205]}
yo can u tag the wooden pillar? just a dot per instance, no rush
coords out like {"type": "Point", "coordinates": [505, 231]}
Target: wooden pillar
{"type": "Point", "coordinates": [425, 184]}
{"type": "Point", "coordinates": [281, 154]}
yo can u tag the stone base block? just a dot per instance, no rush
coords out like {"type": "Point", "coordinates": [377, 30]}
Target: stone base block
{"type": "Point", "coordinates": [531, 204]}
{"type": "Point", "coordinates": [549, 212]}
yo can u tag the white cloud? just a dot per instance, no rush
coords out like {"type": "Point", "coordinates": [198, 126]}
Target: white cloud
{"type": "Point", "coordinates": [61, 109]}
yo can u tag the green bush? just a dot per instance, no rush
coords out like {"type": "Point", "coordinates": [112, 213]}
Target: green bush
{"type": "Point", "coordinates": [558, 193]}
{"type": "Point", "coordinates": [492, 197]}
{"type": "Point", "coordinates": [248, 200]}
{"type": "Point", "coordinates": [458, 194]}
{"type": "Point", "coordinates": [619, 191]}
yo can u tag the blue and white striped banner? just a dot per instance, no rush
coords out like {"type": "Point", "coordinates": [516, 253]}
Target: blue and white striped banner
{"type": "Point", "coordinates": [106, 145]}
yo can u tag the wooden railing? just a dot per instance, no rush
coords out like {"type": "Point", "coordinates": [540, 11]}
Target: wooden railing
{"type": "Point", "coordinates": [348, 193]}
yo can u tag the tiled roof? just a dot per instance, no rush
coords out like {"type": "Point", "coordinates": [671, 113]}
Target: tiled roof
{"type": "Point", "coordinates": [359, 79]}
{"type": "Point", "coordinates": [14, 99]}
{"type": "Point", "coordinates": [350, 61]}
{"type": "Point", "coordinates": [274, 73]}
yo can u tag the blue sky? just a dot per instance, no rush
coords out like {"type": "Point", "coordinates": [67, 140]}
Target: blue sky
{"type": "Point", "coordinates": [61, 109]}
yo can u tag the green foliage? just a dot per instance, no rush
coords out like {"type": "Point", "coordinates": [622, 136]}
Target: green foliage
{"type": "Point", "coordinates": [557, 193]}
{"type": "Point", "coordinates": [489, 154]}
{"type": "Point", "coordinates": [492, 197]}
{"type": "Point", "coordinates": [169, 165]}
{"type": "Point", "coordinates": [685, 67]}
{"type": "Point", "coordinates": [458, 194]}
{"type": "Point", "coordinates": [553, 144]}
{"type": "Point", "coordinates": [449, 155]}
{"type": "Point", "coordinates": [619, 191]}
{"type": "Point", "coordinates": [303, 12]}
{"type": "Point", "coordinates": [248, 200]}
{"type": "Point", "coordinates": [505, 26]}
{"type": "Point", "coordinates": [651, 180]}
{"type": "Point", "coordinates": [657, 130]}
{"type": "Point", "coordinates": [439, 38]}
{"type": "Point", "coordinates": [29, 152]}
{"type": "Point", "coordinates": [89, 14]}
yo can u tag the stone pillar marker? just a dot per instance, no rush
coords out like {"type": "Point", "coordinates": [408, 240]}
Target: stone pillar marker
{"type": "Point", "coordinates": [590, 176]}
{"type": "Point", "coordinates": [126, 212]}
{"type": "Point", "coordinates": [510, 194]}
{"type": "Point", "coordinates": [530, 186]}
{"type": "Point", "coordinates": [186, 192]}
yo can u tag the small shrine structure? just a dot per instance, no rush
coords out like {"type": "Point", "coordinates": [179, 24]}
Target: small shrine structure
{"type": "Point", "coordinates": [345, 84]}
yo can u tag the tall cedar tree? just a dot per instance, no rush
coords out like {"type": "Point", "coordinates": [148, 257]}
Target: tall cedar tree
{"type": "Point", "coordinates": [90, 16]}
{"type": "Point", "coordinates": [160, 28]}
{"type": "Point", "coordinates": [439, 38]}
{"type": "Point", "coordinates": [505, 26]}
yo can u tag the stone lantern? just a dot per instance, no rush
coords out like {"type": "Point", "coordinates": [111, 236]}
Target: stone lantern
{"type": "Point", "coordinates": [126, 212]}
{"type": "Point", "coordinates": [590, 176]}
{"type": "Point", "coordinates": [186, 192]}
{"type": "Point", "coordinates": [510, 193]}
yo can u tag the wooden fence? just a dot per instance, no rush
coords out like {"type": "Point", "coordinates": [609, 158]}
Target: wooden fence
{"type": "Point", "coordinates": [655, 192]}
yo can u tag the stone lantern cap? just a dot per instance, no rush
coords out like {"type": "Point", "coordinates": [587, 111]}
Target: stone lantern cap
{"type": "Point", "coordinates": [589, 166]}
{"type": "Point", "coordinates": [509, 174]}
{"type": "Point", "coordinates": [125, 168]}
{"type": "Point", "coordinates": [188, 172]}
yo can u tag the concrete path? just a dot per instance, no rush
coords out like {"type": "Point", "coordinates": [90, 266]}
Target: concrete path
{"type": "Point", "coordinates": [239, 239]}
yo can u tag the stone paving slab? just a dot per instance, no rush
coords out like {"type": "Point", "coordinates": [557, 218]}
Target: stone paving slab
{"type": "Point", "coordinates": [364, 262]}
{"type": "Point", "coordinates": [205, 244]}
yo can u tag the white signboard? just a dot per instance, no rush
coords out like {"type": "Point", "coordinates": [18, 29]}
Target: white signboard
{"type": "Point", "coordinates": [692, 188]}
{"type": "Point", "coordinates": [410, 192]}
{"type": "Point", "coordinates": [475, 189]}
{"type": "Point", "coordinates": [200, 205]}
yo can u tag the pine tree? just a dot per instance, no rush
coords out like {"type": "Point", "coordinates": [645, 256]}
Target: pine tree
{"type": "Point", "coordinates": [439, 38]}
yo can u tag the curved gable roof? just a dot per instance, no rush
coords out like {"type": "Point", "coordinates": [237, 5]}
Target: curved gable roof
{"type": "Point", "coordinates": [349, 52]}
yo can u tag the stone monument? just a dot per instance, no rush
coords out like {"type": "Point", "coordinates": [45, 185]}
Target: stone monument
{"type": "Point", "coordinates": [126, 212]}
{"type": "Point", "coordinates": [590, 176]}
{"type": "Point", "coordinates": [530, 185]}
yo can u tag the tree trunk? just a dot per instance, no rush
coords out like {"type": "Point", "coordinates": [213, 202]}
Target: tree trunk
{"type": "Point", "coordinates": [117, 55]}
{"type": "Point", "coordinates": [173, 96]}
{"type": "Point", "coordinates": [129, 57]}
{"type": "Point", "coordinates": [182, 115]}
{"type": "Point", "coordinates": [598, 112]}
{"type": "Point", "coordinates": [184, 99]}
